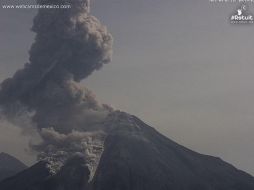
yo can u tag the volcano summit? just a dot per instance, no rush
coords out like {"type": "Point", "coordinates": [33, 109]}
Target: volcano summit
{"type": "Point", "coordinates": [135, 157]}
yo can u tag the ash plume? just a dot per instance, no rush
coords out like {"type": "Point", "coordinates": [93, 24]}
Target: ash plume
{"type": "Point", "coordinates": [69, 45]}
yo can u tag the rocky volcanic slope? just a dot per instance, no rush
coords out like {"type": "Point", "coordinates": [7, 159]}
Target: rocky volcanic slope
{"type": "Point", "coordinates": [136, 157]}
{"type": "Point", "coordinates": [9, 166]}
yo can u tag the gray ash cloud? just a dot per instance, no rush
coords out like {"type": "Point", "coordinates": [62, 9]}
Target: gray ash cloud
{"type": "Point", "coordinates": [70, 44]}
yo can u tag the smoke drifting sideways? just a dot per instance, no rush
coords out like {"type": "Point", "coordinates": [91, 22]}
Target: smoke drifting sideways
{"type": "Point", "coordinates": [69, 45]}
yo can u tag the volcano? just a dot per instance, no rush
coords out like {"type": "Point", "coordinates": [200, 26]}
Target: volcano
{"type": "Point", "coordinates": [86, 145]}
{"type": "Point", "coordinates": [135, 157]}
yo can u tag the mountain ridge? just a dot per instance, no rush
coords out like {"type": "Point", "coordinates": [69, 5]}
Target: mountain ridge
{"type": "Point", "coordinates": [9, 166]}
{"type": "Point", "coordinates": [137, 157]}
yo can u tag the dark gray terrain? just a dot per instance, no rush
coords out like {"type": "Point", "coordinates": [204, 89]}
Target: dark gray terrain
{"type": "Point", "coordinates": [9, 166]}
{"type": "Point", "coordinates": [136, 157]}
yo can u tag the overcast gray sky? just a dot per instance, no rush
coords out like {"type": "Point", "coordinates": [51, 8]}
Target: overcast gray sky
{"type": "Point", "coordinates": [178, 65]}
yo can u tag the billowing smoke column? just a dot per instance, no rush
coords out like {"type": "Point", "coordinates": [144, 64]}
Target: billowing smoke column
{"type": "Point", "coordinates": [69, 45]}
